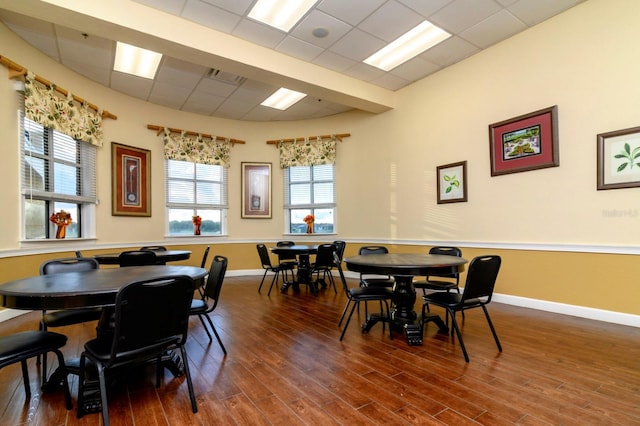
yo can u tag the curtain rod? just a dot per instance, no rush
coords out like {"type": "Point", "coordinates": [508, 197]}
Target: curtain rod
{"type": "Point", "coordinates": [159, 130]}
{"type": "Point", "coordinates": [16, 71]}
{"type": "Point", "coordinates": [338, 136]}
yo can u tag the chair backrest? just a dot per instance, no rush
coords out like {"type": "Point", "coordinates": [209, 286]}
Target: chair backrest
{"type": "Point", "coordinates": [324, 257]}
{"type": "Point", "coordinates": [282, 257]}
{"type": "Point", "coordinates": [151, 314]}
{"type": "Point", "coordinates": [481, 277]}
{"type": "Point", "coordinates": [263, 252]}
{"type": "Point", "coordinates": [367, 250]}
{"type": "Point", "coordinates": [215, 279]}
{"type": "Point", "coordinates": [338, 265]}
{"type": "Point", "coordinates": [68, 264]}
{"type": "Point", "coordinates": [137, 258]}
{"type": "Point", "coordinates": [154, 248]}
{"type": "Point", "coordinates": [340, 247]}
{"type": "Point", "coordinates": [203, 264]}
{"type": "Point", "coordinates": [447, 271]}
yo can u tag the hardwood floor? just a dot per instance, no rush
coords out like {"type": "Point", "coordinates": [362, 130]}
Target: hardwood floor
{"type": "Point", "coordinates": [287, 366]}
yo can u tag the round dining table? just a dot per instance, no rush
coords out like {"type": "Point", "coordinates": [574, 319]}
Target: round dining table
{"type": "Point", "coordinates": [303, 252]}
{"type": "Point", "coordinates": [403, 267]}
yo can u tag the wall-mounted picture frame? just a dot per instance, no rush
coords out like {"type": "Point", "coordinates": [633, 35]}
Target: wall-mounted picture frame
{"type": "Point", "coordinates": [452, 182]}
{"type": "Point", "coordinates": [131, 180]}
{"type": "Point", "coordinates": [524, 143]}
{"type": "Point", "coordinates": [256, 190]}
{"type": "Point", "coordinates": [619, 159]}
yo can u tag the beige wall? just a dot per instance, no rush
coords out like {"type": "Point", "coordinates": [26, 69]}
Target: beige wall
{"type": "Point", "coordinates": [552, 223]}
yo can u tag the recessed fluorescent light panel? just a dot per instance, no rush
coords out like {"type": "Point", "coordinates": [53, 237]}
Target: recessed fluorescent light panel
{"type": "Point", "coordinates": [134, 60]}
{"type": "Point", "coordinates": [283, 99]}
{"type": "Point", "coordinates": [281, 14]}
{"type": "Point", "coordinates": [407, 46]}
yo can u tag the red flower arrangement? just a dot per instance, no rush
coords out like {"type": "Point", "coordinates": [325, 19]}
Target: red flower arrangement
{"type": "Point", "coordinates": [61, 218]}
{"type": "Point", "coordinates": [309, 219]}
{"type": "Point", "coordinates": [197, 220]}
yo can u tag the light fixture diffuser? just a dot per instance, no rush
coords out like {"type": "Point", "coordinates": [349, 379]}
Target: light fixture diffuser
{"type": "Point", "coordinates": [280, 14]}
{"type": "Point", "coordinates": [420, 38]}
{"type": "Point", "coordinates": [137, 61]}
{"type": "Point", "coordinates": [283, 99]}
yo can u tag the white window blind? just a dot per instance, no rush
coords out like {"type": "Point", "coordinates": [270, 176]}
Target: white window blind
{"type": "Point", "coordinates": [310, 190]}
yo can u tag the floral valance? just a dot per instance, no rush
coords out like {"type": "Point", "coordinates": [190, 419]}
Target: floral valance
{"type": "Point", "coordinates": [308, 153]}
{"type": "Point", "coordinates": [44, 105]}
{"type": "Point", "coordinates": [196, 148]}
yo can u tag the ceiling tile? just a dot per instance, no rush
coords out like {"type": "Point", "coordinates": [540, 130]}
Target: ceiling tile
{"type": "Point", "coordinates": [180, 73]}
{"type": "Point", "coordinates": [173, 7]}
{"type": "Point", "coordinates": [352, 12]}
{"type": "Point", "coordinates": [426, 8]}
{"type": "Point", "coordinates": [364, 72]}
{"type": "Point", "coordinates": [210, 16]}
{"type": "Point", "coordinates": [168, 95]}
{"type": "Point", "coordinates": [462, 14]}
{"type": "Point", "coordinates": [391, 82]}
{"type": "Point", "coordinates": [317, 19]}
{"type": "Point", "coordinates": [357, 45]}
{"type": "Point", "coordinates": [203, 103]}
{"type": "Point", "coordinates": [415, 69]}
{"type": "Point", "coordinates": [334, 61]}
{"type": "Point", "coordinates": [254, 32]}
{"type": "Point", "coordinates": [450, 51]}
{"type": "Point", "coordinates": [535, 11]}
{"type": "Point", "coordinates": [299, 49]}
{"type": "Point", "coordinates": [390, 21]}
{"type": "Point", "coordinates": [495, 28]}
{"type": "Point", "coordinates": [215, 87]}
{"type": "Point", "coordinates": [131, 85]}
{"type": "Point", "coordinates": [239, 7]}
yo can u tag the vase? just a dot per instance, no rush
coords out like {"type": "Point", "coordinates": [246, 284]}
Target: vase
{"type": "Point", "coordinates": [196, 229]}
{"type": "Point", "coordinates": [310, 228]}
{"type": "Point", "coordinates": [61, 232]}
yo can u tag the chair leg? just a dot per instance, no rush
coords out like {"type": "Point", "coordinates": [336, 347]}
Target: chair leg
{"type": "Point", "coordinates": [187, 372]}
{"type": "Point", "coordinates": [389, 319]}
{"type": "Point", "coordinates": [493, 330]}
{"type": "Point", "coordinates": [261, 282]}
{"type": "Point", "coordinates": [274, 280]}
{"type": "Point", "coordinates": [459, 334]}
{"type": "Point", "coordinates": [213, 327]}
{"type": "Point", "coordinates": [81, 379]}
{"type": "Point", "coordinates": [205, 327]}
{"type": "Point", "coordinates": [103, 394]}
{"type": "Point", "coordinates": [348, 319]}
{"type": "Point", "coordinates": [344, 311]}
{"type": "Point", "coordinates": [25, 378]}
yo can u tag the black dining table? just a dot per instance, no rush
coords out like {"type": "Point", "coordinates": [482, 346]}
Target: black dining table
{"type": "Point", "coordinates": [403, 267]}
{"type": "Point", "coordinates": [303, 275]}
{"type": "Point", "coordinates": [93, 288]}
{"type": "Point", "coordinates": [162, 256]}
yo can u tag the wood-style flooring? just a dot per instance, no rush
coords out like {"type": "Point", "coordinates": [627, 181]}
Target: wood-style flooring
{"type": "Point", "coordinates": [286, 366]}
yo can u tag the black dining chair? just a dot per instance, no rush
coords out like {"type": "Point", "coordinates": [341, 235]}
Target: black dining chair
{"type": "Point", "coordinates": [373, 280]}
{"type": "Point", "coordinates": [154, 248]}
{"type": "Point", "coordinates": [323, 264]}
{"type": "Point", "coordinates": [340, 248]}
{"type": "Point", "coordinates": [355, 295]}
{"type": "Point", "coordinates": [265, 259]}
{"type": "Point", "coordinates": [207, 303]}
{"type": "Point", "coordinates": [21, 346]}
{"type": "Point", "coordinates": [137, 258]}
{"type": "Point", "coordinates": [64, 317]}
{"type": "Point", "coordinates": [151, 317]}
{"type": "Point", "coordinates": [450, 273]}
{"type": "Point", "coordinates": [287, 258]}
{"type": "Point", "coordinates": [478, 291]}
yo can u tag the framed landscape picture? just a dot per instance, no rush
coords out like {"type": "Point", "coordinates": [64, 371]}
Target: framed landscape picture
{"type": "Point", "coordinates": [523, 143]}
{"type": "Point", "coordinates": [619, 159]}
{"type": "Point", "coordinates": [131, 180]}
{"type": "Point", "coordinates": [452, 182]}
{"type": "Point", "coordinates": [256, 190]}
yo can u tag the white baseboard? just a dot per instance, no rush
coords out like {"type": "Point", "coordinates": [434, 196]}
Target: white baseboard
{"type": "Point", "coordinates": [7, 314]}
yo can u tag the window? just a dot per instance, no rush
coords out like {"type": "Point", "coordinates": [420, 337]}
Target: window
{"type": "Point", "coordinates": [58, 173]}
{"type": "Point", "coordinates": [310, 190]}
{"type": "Point", "coordinates": [196, 189]}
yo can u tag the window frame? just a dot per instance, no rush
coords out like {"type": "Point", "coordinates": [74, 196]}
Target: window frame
{"type": "Point", "coordinates": [197, 207]}
{"type": "Point", "coordinates": [311, 207]}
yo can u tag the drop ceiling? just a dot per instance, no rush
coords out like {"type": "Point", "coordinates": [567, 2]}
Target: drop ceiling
{"type": "Point", "coordinates": [214, 80]}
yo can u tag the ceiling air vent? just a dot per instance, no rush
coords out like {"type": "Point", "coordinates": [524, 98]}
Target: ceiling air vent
{"type": "Point", "coordinates": [226, 77]}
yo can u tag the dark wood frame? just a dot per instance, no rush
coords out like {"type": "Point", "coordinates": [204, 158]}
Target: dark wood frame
{"type": "Point", "coordinates": [256, 195]}
{"type": "Point", "coordinates": [131, 180]}
{"type": "Point", "coordinates": [546, 122]}
{"type": "Point", "coordinates": [618, 140]}
{"type": "Point", "coordinates": [444, 188]}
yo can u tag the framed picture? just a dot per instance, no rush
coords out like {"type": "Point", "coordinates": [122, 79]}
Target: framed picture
{"type": "Point", "coordinates": [131, 180]}
{"type": "Point", "coordinates": [452, 183]}
{"type": "Point", "coordinates": [619, 159]}
{"type": "Point", "coordinates": [527, 142]}
{"type": "Point", "coordinates": [256, 190]}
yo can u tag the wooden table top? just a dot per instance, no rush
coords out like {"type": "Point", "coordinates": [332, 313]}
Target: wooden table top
{"type": "Point", "coordinates": [408, 264]}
